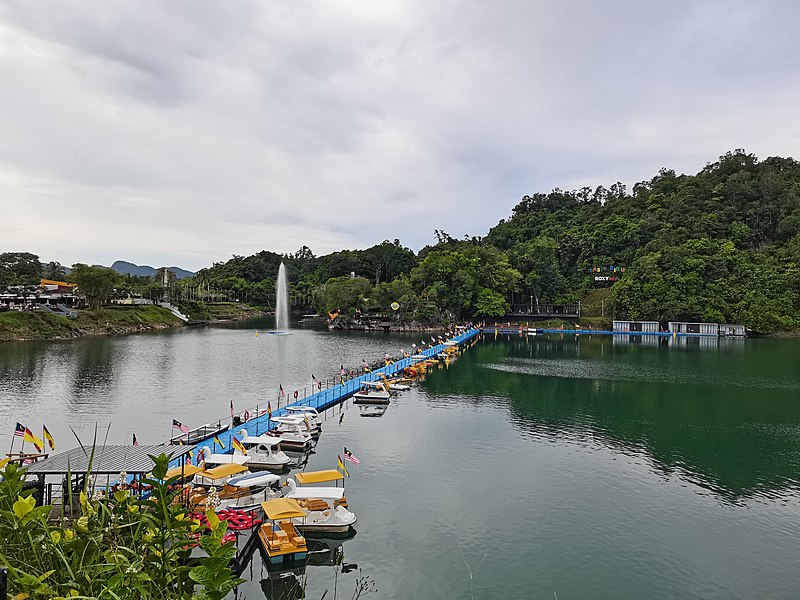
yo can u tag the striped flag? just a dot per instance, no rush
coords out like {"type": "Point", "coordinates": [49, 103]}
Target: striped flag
{"type": "Point", "coordinates": [219, 441]}
{"type": "Point", "coordinates": [19, 431]}
{"type": "Point", "coordinates": [351, 457]}
{"type": "Point", "coordinates": [135, 441]}
{"type": "Point", "coordinates": [281, 389]}
{"type": "Point", "coordinates": [340, 464]}
{"type": "Point", "coordinates": [237, 445]}
{"type": "Point", "coordinates": [28, 436]}
{"type": "Point", "coordinates": [179, 426]}
{"type": "Point", "coordinates": [46, 435]}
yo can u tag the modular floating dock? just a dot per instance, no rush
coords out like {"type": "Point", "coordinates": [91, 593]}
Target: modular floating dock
{"type": "Point", "coordinates": [327, 398]}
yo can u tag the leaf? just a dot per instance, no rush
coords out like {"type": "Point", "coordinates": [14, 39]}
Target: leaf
{"type": "Point", "coordinates": [23, 506]}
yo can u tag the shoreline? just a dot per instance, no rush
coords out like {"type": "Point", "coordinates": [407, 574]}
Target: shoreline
{"type": "Point", "coordinates": [30, 326]}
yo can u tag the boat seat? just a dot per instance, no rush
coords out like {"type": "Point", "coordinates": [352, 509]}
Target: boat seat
{"type": "Point", "coordinates": [298, 541]}
{"type": "Point", "coordinates": [281, 534]}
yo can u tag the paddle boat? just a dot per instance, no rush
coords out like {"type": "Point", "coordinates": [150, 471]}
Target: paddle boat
{"type": "Point", "coordinates": [263, 452]}
{"type": "Point", "coordinates": [309, 414]}
{"type": "Point", "coordinates": [292, 433]}
{"type": "Point", "coordinates": [372, 392]}
{"type": "Point", "coordinates": [279, 539]}
{"type": "Point", "coordinates": [324, 508]}
{"type": "Point", "coordinates": [218, 475]}
{"type": "Point", "coordinates": [394, 385]}
{"type": "Point", "coordinates": [245, 491]}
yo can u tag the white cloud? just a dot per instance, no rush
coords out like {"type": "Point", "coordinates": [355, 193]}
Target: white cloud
{"type": "Point", "coordinates": [184, 132]}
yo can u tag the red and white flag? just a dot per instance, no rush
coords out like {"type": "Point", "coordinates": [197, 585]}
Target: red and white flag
{"type": "Point", "coordinates": [351, 457]}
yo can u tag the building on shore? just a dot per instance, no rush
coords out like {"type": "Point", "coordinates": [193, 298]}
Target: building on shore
{"type": "Point", "coordinates": [694, 328]}
{"type": "Point", "coordinates": [636, 326]}
{"type": "Point", "coordinates": [731, 330]}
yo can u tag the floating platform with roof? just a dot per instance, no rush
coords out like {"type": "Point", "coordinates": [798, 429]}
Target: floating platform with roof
{"type": "Point", "coordinates": [99, 461]}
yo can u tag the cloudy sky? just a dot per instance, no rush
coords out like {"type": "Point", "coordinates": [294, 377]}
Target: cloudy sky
{"type": "Point", "coordinates": [185, 132]}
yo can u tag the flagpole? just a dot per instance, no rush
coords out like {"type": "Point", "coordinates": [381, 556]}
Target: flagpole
{"type": "Point", "coordinates": [11, 449]}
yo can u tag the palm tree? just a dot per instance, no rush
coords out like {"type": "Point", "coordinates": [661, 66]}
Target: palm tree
{"type": "Point", "coordinates": [54, 271]}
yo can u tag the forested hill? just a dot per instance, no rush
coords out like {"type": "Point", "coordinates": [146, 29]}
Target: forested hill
{"type": "Point", "coordinates": [722, 245]}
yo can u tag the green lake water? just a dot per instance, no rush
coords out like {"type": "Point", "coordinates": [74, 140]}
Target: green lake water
{"type": "Point", "coordinates": [568, 467]}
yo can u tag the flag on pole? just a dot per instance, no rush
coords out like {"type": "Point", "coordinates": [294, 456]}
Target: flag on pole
{"type": "Point", "coordinates": [135, 441]}
{"type": "Point", "coordinates": [313, 378]}
{"type": "Point", "coordinates": [269, 410]}
{"type": "Point", "coordinates": [29, 437]}
{"type": "Point", "coordinates": [179, 426]}
{"type": "Point", "coordinates": [219, 441]}
{"type": "Point", "coordinates": [340, 464]}
{"type": "Point", "coordinates": [351, 457]}
{"type": "Point", "coordinates": [19, 431]}
{"type": "Point", "coordinates": [46, 435]}
{"type": "Point", "coordinates": [237, 445]}
{"type": "Point", "coordinates": [231, 409]}
{"type": "Point", "coordinates": [282, 392]}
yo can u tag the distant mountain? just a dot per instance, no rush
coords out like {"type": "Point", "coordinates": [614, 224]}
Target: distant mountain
{"type": "Point", "coordinates": [126, 268]}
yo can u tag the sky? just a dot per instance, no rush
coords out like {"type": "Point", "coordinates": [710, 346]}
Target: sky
{"type": "Point", "coordinates": [184, 132]}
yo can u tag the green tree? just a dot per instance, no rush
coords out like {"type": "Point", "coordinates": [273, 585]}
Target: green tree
{"type": "Point", "coordinates": [19, 268]}
{"type": "Point", "coordinates": [95, 283]}
{"type": "Point", "coordinates": [54, 271]}
{"type": "Point", "coordinates": [491, 304]}
{"type": "Point", "coordinates": [345, 294]}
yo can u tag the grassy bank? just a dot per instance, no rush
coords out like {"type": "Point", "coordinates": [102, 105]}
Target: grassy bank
{"type": "Point", "coordinates": [28, 325]}
{"type": "Point", "coordinates": [202, 312]}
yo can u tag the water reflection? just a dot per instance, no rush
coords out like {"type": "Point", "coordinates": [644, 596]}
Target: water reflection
{"type": "Point", "coordinates": [727, 421]}
{"type": "Point", "coordinates": [282, 583]}
{"type": "Point", "coordinates": [371, 410]}
{"type": "Point", "coordinates": [95, 367]}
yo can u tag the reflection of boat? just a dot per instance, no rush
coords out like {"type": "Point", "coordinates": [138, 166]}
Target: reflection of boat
{"type": "Point", "coordinates": [328, 551]}
{"type": "Point", "coordinates": [284, 585]}
{"type": "Point", "coordinates": [324, 508]}
{"type": "Point", "coordinates": [372, 392]}
{"type": "Point", "coordinates": [279, 540]}
{"type": "Point", "coordinates": [263, 452]}
{"type": "Point", "coordinates": [297, 460]}
{"type": "Point", "coordinates": [371, 410]}
{"type": "Point", "coordinates": [292, 433]}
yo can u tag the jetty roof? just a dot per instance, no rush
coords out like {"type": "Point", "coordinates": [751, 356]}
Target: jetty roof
{"type": "Point", "coordinates": [107, 460]}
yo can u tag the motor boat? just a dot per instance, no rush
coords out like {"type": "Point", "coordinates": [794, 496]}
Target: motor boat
{"type": "Point", "coordinates": [311, 415]}
{"type": "Point", "coordinates": [324, 507]}
{"type": "Point", "coordinates": [372, 392]}
{"type": "Point", "coordinates": [292, 433]}
{"type": "Point", "coordinates": [263, 452]}
{"type": "Point", "coordinates": [278, 538]}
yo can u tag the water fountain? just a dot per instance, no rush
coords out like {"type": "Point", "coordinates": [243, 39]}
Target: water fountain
{"type": "Point", "coordinates": [281, 302]}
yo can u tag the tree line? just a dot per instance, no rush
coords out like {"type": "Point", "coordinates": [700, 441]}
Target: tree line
{"type": "Point", "coordinates": [722, 245]}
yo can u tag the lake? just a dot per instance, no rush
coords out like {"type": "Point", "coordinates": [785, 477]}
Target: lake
{"type": "Point", "coordinates": [531, 467]}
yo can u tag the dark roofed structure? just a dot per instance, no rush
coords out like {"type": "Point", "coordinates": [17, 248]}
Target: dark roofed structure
{"type": "Point", "coordinates": [107, 460]}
